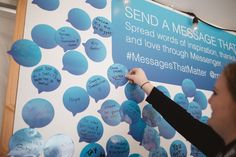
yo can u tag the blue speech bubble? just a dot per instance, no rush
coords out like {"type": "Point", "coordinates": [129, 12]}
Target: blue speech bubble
{"type": "Point", "coordinates": [135, 155]}
{"type": "Point", "coordinates": [90, 129]}
{"type": "Point", "coordinates": [67, 38]}
{"type": "Point", "coordinates": [166, 130]}
{"type": "Point", "coordinates": [116, 74]}
{"type": "Point", "coordinates": [151, 116]}
{"type": "Point", "coordinates": [99, 4]}
{"type": "Point", "coordinates": [76, 99]}
{"type": "Point", "coordinates": [44, 36]}
{"type": "Point", "coordinates": [159, 152]}
{"type": "Point", "coordinates": [195, 110]}
{"type": "Point", "coordinates": [136, 130]}
{"type": "Point", "coordinates": [102, 26]}
{"type": "Point", "coordinates": [188, 87]}
{"type": "Point", "coordinates": [59, 145]}
{"type": "Point", "coordinates": [25, 52]}
{"type": "Point", "coordinates": [178, 148]}
{"type": "Point", "coordinates": [74, 62]}
{"type": "Point", "coordinates": [79, 19]}
{"type": "Point", "coordinates": [95, 49]}
{"type": "Point", "coordinates": [195, 152]}
{"type": "Point", "coordinates": [204, 119]}
{"type": "Point", "coordinates": [46, 78]}
{"type": "Point", "coordinates": [110, 112]}
{"type": "Point", "coordinates": [26, 142]}
{"type": "Point", "coordinates": [48, 5]}
{"type": "Point", "coordinates": [130, 112]}
{"type": "Point", "coordinates": [151, 139]}
{"type": "Point", "coordinates": [98, 87]}
{"type": "Point", "coordinates": [201, 99]}
{"type": "Point", "coordinates": [181, 100]}
{"type": "Point", "coordinates": [134, 92]}
{"type": "Point", "coordinates": [93, 150]}
{"type": "Point", "coordinates": [164, 90]}
{"type": "Point", "coordinates": [117, 146]}
{"type": "Point", "coordinates": [38, 113]}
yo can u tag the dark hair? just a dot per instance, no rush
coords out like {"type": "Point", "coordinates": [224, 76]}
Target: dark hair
{"type": "Point", "coordinates": [230, 75]}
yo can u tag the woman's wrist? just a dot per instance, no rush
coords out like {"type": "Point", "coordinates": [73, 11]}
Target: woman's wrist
{"type": "Point", "coordinates": [143, 84]}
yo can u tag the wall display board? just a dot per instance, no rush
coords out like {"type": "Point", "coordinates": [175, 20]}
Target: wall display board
{"type": "Point", "coordinates": [73, 98]}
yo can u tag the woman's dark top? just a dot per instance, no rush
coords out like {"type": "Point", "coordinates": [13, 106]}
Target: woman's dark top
{"type": "Point", "coordinates": [196, 132]}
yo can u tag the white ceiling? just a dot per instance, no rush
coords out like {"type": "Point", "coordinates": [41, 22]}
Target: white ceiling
{"type": "Point", "coordinates": [221, 13]}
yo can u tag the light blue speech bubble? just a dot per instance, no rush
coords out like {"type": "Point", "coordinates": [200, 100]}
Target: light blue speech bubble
{"type": "Point", "coordinates": [79, 19]}
{"type": "Point", "coordinates": [166, 130]}
{"type": "Point", "coordinates": [90, 129]}
{"type": "Point", "coordinates": [25, 52]}
{"type": "Point", "coordinates": [159, 152]}
{"type": "Point", "coordinates": [130, 112]}
{"type": "Point", "coordinates": [76, 99]}
{"type": "Point", "coordinates": [48, 5]}
{"type": "Point", "coordinates": [117, 146]}
{"type": "Point", "coordinates": [102, 26]}
{"type": "Point", "coordinates": [116, 74]}
{"type": "Point", "coordinates": [151, 116]}
{"type": "Point", "coordinates": [46, 78]}
{"type": "Point", "coordinates": [110, 112]}
{"type": "Point", "coordinates": [44, 36]}
{"type": "Point", "coordinates": [195, 152]}
{"type": "Point", "coordinates": [134, 92]}
{"type": "Point", "coordinates": [204, 119]}
{"type": "Point", "coordinates": [38, 113]}
{"type": "Point", "coordinates": [178, 148]}
{"type": "Point", "coordinates": [181, 100]}
{"type": "Point", "coordinates": [95, 50]}
{"type": "Point", "coordinates": [195, 110]}
{"type": "Point", "coordinates": [188, 87]}
{"type": "Point", "coordinates": [59, 145]}
{"type": "Point", "coordinates": [135, 155]}
{"type": "Point", "coordinates": [74, 62]}
{"type": "Point", "coordinates": [67, 38]}
{"type": "Point", "coordinates": [26, 142]}
{"type": "Point", "coordinates": [164, 90]}
{"type": "Point", "coordinates": [151, 139]}
{"type": "Point", "coordinates": [93, 150]}
{"type": "Point", "coordinates": [201, 99]}
{"type": "Point", "coordinates": [99, 4]}
{"type": "Point", "coordinates": [98, 87]}
{"type": "Point", "coordinates": [136, 130]}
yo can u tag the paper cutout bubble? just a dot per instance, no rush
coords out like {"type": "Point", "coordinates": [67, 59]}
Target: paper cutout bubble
{"type": "Point", "coordinates": [44, 36]}
{"type": "Point", "coordinates": [204, 119]}
{"type": "Point", "coordinates": [99, 4]}
{"type": "Point", "coordinates": [48, 5]}
{"type": "Point", "coordinates": [164, 90]}
{"type": "Point", "coordinates": [117, 146]}
{"type": "Point", "coordinates": [95, 50]}
{"type": "Point", "coordinates": [110, 112]}
{"type": "Point", "coordinates": [178, 148]}
{"type": "Point", "coordinates": [38, 113]}
{"type": "Point", "coordinates": [166, 130]}
{"type": "Point", "coordinates": [136, 130]}
{"type": "Point", "coordinates": [195, 152]}
{"type": "Point", "coordinates": [26, 142]}
{"type": "Point", "coordinates": [151, 116]}
{"type": "Point", "coordinates": [76, 99]}
{"type": "Point", "coordinates": [67, 38]}
{"type": "Point", "coordinates": [90, 129]}
{"type": "Point", "coordinates": [74, 62]}
{"type": "Point", "coordinates": [59, 145]}
{"type": "Point", "coordinates": [98, 87]}
{"type": "Point", "coordinates": [79, 19]}
{"type": "Point", "coordinates": [159, 152]}
{"type": "Point", "coordinates": [93, 150]}
{"type": "Point", "coordinates": [116, 74]}
{"type": "Point", "coordinates": [195, 110]}
{"type": "Point", "coordinates": [181, 100]}
{"type": "Point", "coordinates": [102, 26]}
{"type": "Point", "coordinates": [130, 112]}
{"type": "Point", "coordinates": [151, 139]}
{"type": "Point", "coordinates": [26, 52]}
{"type": "Point", "coordinates": [201, 99]}
{"type": "Point", "coordinates": [46, 78]}
{"type": "Point", "coordinates": [135, 155]}
{"type": "Point", "coordinates": [134, 92]}
{"type": "Point", "coordinates": [188, 87]}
